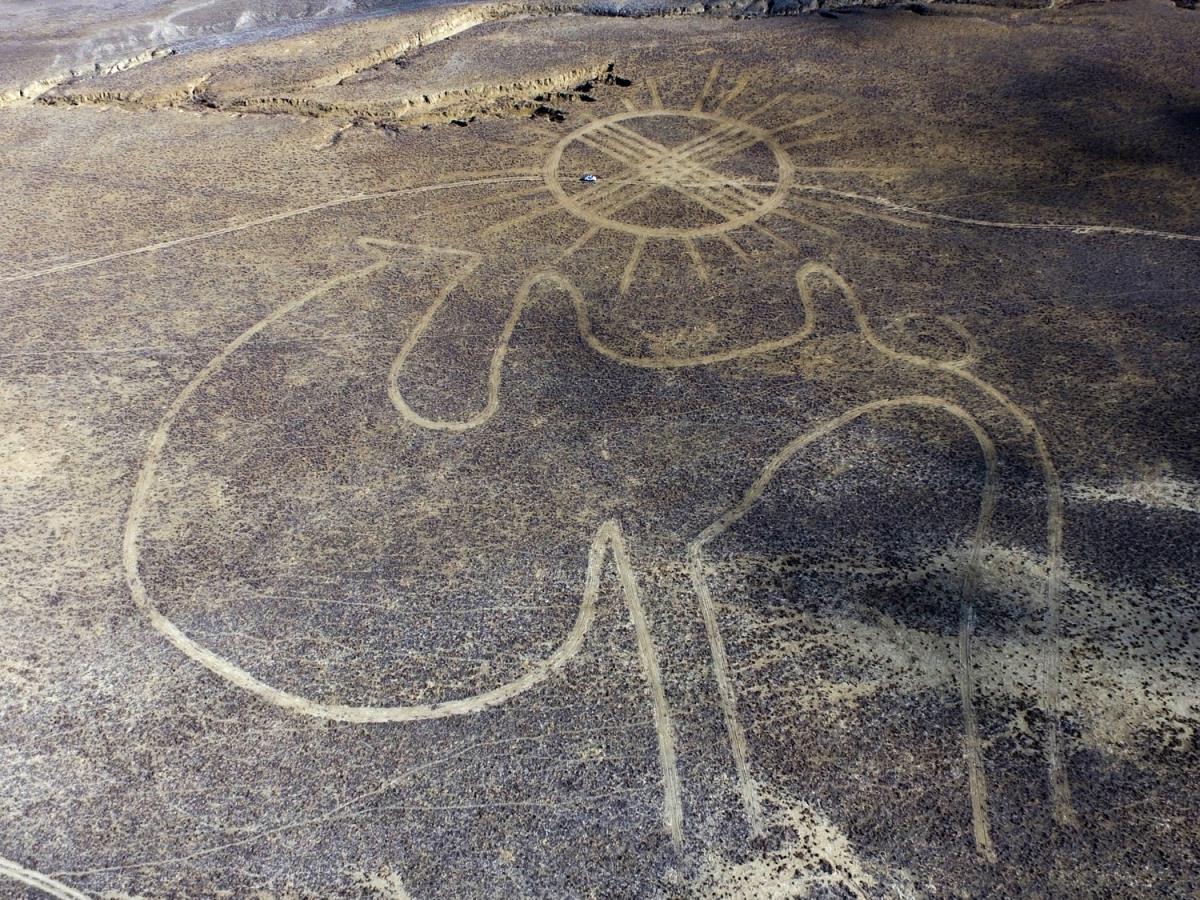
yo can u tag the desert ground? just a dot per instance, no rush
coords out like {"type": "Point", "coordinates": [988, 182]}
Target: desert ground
{"type": "Point", "coordinates": [599, 451]}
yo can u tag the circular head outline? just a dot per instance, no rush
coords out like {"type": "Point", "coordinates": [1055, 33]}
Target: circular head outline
{"type": "Point", "coordinates": [769, 203]}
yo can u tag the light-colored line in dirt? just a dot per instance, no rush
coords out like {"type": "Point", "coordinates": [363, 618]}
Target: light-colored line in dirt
{"type": "Point", "coordinates": [768, 233]}
{"type": "Point", "coordinates": [521, 219]}
{"type": "Point", "coordinates": [1079, 229]}
{"type": "Point", "coordinates": [804, 120]}
{"type": "Point", "coordinates": [736, 248]}
{"type": "Point", "coordinates": [763, 108]}
{"type": "Point", "coordinates": [584, 326]}
{"type": "Point", "coordinates": [655, 99]}
{"type": "Point", "coordinates": [864, 213]}
{"type": "Point", "coordinates": [747, 787]}
{"type": "Point", "coordinates": [657, 160]}
{"type": "Point", "coordinates": [682, 168]}
{"type": "Point", "coordinates": [713, 72]}
{"type": "Point", "coordinates": [607, 539]}
{"type": "Point", "coordinates": [813, 139]}
{"type": "Point", "coordinates": [725, 690]}
{"type": "Point", "coordinates": [266, 220]}
{"type": "Point", "coordinates": [663, 727]}
{"type": "Point", "coordinates": [631, 266]}
{"type": "Point", "coordinates": [587, 235]}
{"type": "Point", "coordinates": [39, 882]}
{"type": "Point", "coordinates": [823, 230]}
{"type": "Point", "coordinates": [493, 200]}
{"type": "Point", "coordinates": [689, 168]}
{"type": "Point", "coordinates": [733, 93]}
{"type": "Point", "coordinates": [697, 260]}
{"type": "Point", "coordinates": [649, 172]}
{"type": "Point", "coordinates": [1064, 812]}
{"type": "Point", "coordinates": [660, 166]}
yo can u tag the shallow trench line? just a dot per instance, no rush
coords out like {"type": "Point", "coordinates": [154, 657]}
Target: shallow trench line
{"type": "Point", "coordinates": [1059, 786]}
{"type": "Point", "coordinates": [607, 539]}
{"type": "Point", "coordinates": [1077, 229]}
{"type": "Point", "coordinates": [1060, 791]}
{"type": "Point", "coordinates": [36, 880]}
{"type": "Point", "coordinates": [972, 749]}
{"type": "Point", "coordinates": [584, 326]}
{"type": "Point", "coordinates": [265, 220]}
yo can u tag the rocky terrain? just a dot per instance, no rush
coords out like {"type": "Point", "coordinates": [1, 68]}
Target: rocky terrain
{"type": "Point", "coordinates": [505, 449]}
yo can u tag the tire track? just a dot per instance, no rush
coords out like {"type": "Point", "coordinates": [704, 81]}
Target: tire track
{"type": "Point", "coordinates": [1079, 229]}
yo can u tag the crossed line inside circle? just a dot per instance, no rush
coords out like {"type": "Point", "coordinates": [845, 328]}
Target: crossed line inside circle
{"type": "Point", "coordinates": [683, 168]}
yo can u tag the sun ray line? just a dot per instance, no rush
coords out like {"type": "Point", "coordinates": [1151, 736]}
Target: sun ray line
{"type": "Point", "coordinates": [824, 138]}
{"type": "Point", "coordinates": [800, 220]}
{"type": "Point", "coordinates": [698, 106]}
{"type": "Point", "coordinates": [733, 93]}
{"type": "Point", "coordinates": [697, 260]}
{"type": "Point", "coordinates": [755, 113]}
{"type": "Point", "coordinates": [631, 266]}
{"type": "Point", "coordinates": [763, 230]}
{"type": "Point", "coordinates": [578, 243]}
{"type": "Point", "coordinates": [655, 99]}
{"type": "Point", "coordinates": [517, 220]}
{"type": "Point", "coordinates": [735, 247]}
{"type": "Point", "coordinates": [804, 120]}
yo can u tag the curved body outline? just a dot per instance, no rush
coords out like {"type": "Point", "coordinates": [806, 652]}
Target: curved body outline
{"type": "Point", "coordinates": [608, 538]}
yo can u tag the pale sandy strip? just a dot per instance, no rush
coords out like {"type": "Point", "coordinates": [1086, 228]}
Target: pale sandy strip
{"type": "Point", "coordinates": [584, 325]}
{"type": "Point", "coordinates": [698, 106]}
{"type": "Point", "coordinates": [672, 800]}
{"type": "Point", "coordinates": [1081, 229]}
{"type": "Point", "coordinates": [662, 167]}
{"type": "Point", "coordinates": [650, 174]}
{"type": "Point", "coordinates": [1064, 812]}
{"type": "Point", "coordinates": [697, 260]}
{"type": "Point", "coordinates": [740, 85]}
{"type": "Point", "coordinates": [265, 220]}
{"type": "Point", "coordinates": [631, 266]}
{"type": "Point", "coordinates": [38, 881]}
{"type": "Point", "coordinates": [726, 694]}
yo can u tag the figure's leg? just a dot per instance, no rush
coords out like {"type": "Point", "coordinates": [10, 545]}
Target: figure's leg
{"type": "Point", "coordinates": [969, 588]}
{"type": "Point", "coordinates": [958, 369]}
